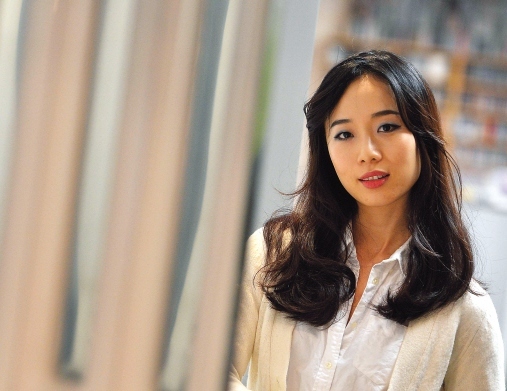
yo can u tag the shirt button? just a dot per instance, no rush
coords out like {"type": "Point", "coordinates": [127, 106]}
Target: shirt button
{"type": "Point", "coordinates": [375, 281]}
{"type": "Point", "coordinates": [328, 365]}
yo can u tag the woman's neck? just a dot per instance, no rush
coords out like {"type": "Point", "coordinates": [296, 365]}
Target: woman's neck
{"type": "Point", "coordinates": [378, 233]}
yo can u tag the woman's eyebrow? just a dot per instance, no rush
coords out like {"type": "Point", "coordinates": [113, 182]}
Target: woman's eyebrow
{"type": "Point", "coordinates": [374, 115]}
{"type": "Point", "coordinates": [338, 122]}
{"type": "Point", "coordinates": [384, 112]}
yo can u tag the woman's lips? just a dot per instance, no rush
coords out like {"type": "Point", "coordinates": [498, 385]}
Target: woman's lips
{"type": "Point", "coordinates": [374, 179]}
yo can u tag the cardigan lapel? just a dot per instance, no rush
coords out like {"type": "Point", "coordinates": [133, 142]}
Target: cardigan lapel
{"type": "Point", "coordinates": [411, 354]}
{"type": "Point", "coordinates": [425, 352]}
{"type": "Point", "coordinates": [281, 340]}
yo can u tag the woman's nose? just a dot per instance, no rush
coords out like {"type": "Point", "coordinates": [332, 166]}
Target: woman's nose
{"type": "Point", "coordinates": [369, 151]}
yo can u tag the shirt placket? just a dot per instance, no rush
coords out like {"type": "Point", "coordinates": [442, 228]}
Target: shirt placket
{"type": "Point", "coordinates": [327, 366]}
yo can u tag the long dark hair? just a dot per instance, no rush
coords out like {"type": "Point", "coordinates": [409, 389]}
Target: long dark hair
{"type": "Point", "coordinates": [305, 275]}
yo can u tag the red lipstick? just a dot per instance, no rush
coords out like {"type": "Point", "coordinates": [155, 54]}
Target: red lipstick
{"type": "Point", "coordinates": [374, 179]}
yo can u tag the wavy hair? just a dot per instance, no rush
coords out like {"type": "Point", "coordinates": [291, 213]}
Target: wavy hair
{"type": "Point", "coordinates": [306, 275]}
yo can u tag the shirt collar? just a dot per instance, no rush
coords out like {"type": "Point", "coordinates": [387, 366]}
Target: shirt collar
{"type": "Point", "coordinates": [401, 255]}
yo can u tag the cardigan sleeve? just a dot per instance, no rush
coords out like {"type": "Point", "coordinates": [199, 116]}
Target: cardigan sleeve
{"type": "Point", "coordinates": [477, 361]}
{"type": "Point", "coordinates": [248, 310]}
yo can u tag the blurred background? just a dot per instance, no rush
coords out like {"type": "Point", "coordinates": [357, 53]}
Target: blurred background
{"type": "Point", "coordinates": [141, 142]}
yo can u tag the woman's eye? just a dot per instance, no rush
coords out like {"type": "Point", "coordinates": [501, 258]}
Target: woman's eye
{"type": "Point", "coordinates": [343, 135]}
{"type": "Point", "coordinates": [386, 128]}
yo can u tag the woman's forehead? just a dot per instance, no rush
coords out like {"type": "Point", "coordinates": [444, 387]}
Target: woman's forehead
{"type": "Point", "coordinates": [365, 96]}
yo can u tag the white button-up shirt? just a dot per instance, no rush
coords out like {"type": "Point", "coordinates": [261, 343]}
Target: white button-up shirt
{"type": "Point", "coordinates": [359, 355]}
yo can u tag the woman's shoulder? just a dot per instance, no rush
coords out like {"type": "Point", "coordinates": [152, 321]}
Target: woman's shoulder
{"type": "Point", "coordinates": [255, 241]}
{"type": "Point", "coordinates": [476, 300]}
{"type": "Point", "coordinates": [256, 250]}
{"type": "Point", "coordinates": [470, 312]}
{"type": "Point", "coordinates": [471, 318]}
{"type": "Point", "coordinates": [476, 308]}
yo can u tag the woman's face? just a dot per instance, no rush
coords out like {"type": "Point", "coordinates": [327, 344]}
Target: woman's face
{"type": "Point", "coordinates": [373, 152]}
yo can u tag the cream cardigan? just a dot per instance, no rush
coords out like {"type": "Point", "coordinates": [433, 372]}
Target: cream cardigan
{"type": "Point", "coordinates": [456, 348]}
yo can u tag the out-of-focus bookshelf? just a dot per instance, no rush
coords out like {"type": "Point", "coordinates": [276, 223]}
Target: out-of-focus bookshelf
{"type": "Point", "coordinates": [460, 47]}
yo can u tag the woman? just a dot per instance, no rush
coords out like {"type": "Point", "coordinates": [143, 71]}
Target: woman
{"type": "Point", "coordinates": [367, 283]}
